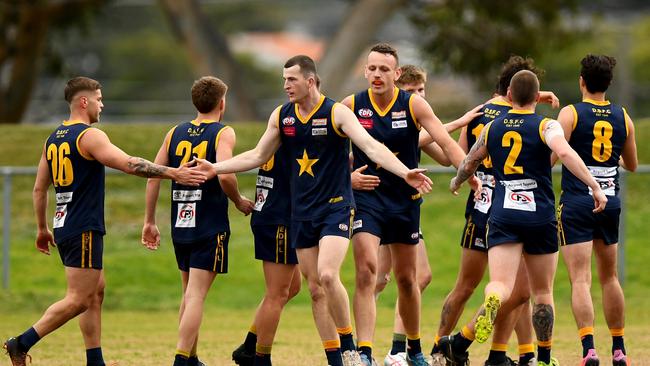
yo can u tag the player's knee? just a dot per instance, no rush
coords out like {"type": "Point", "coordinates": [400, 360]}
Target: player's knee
{"type": "Point", "coordinates": [328, 278]}
{"type": "Point", "coordinates": [406, 279]}
{"type": "Point", "coordinates": [99, 295]}
{"type": "Point", "coordinates": [366, 277]}
{"type": "Point", "coordinates": [316, 292]}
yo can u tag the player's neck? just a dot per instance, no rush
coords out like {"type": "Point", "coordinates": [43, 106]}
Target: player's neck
{"type": "Point", "coordinates": [599, 97]}
{"type": "Point", "coordinates": [526, 107]}
{"type": "Point", "coordinates": [307, 104]}
{"type": "Point", "coordinates": [383, 100]}
{"type": "Point", "coordinates": [79, 117]}
{"type": "Point", "coordinates": [210, 116]}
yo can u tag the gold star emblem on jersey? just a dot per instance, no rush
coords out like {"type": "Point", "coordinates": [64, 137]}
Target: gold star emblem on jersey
{"type": "Point", "coordinates": [306, 163]}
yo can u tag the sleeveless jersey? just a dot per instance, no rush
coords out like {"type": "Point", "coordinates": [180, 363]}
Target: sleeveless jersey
{"type": "Point", "coordinates": [521, 164]}
{"type": "Point", "coordinates": [397, 128]}
{"type": "Point", "coordinates": [599, 133]}
{"type": "Point", "coordinates": [78, 181]}
{"type": "Point", "coordinates": [318, 154]}
{"type": "Point", "coordinates": [479, 209]}
{"type": "Point", "coordinates": [273, 202]}
{"type": "Point", "coordinates": [197, 213]}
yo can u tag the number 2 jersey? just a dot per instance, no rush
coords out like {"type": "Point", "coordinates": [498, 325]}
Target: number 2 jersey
{"type": "Point", "coordinates": [521, 164]}
{"type": "Point", "coordinates": [78, 182]}
{"type": "Point", "coordinates": [599, 133]}
{"type": "Point", "coordinates": [197, 213]}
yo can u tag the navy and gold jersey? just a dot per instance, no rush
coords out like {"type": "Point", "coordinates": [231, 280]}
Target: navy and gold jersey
{"type": "Point", "coordinates": [318, 154]}
{"type": "Point", "coordinates": [599, 133]}
{"type": "Point", "coordinates": [272, 198]}
{"type": "Point", "coordinates": [479, 209]}
{"type": "Point", "coordinates": [397, 128]}
{"type": "Point", "coordinates": [521, 164]}
{"type": "Point", "coordinates": [197, 212]}
{"type": "Point", "coordinates": [78, 181]}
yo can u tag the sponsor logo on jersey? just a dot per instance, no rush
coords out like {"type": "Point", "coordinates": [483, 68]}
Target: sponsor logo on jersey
{"type": "Point", "coordinates": [179, 195]}
{"type": "Point", "coordinates": [365, 113]}
{"type": "Point", "coordinates": [59, 216]}
{"type": "Point", "coordinates": [263, 181]}
{"type": "Point", "coordinates": [260, 198]}
{"type": "Point", "coordinates": [398, 115]}
{"type": "Point", "coordinates": [289, 131]}
{"type": "Point", "coordinates": [63, 197]}
{"type": "Point", "coordinates": [319, 122]}
{"type": "Point", "coordinates": [319, 131]}
{"type": "Point", "coordinates": [186, 215]}
{"type": "Point", "coordinates": [400, 124]}
{"type": "Point", "coordinates": [288, 121]}
{"type": "Point", "coordinates": [366, 123]}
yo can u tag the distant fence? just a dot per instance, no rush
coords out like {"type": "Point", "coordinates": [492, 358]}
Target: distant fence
{"type": "Point", "coordinates": [8, 172]}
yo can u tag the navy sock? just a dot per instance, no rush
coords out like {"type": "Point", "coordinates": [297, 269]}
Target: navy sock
{"type": "Point", "coordinates": [587, 344]}
{"type": "Point", "coordinates": [347, 342]}
{"type": "Point", "coordinates": [250, 342]}
{"type": "Point", "coordinates": [413, 347]}
{"type": "Point", "coordinates": [94, 357]}
{"type": "Point", "coordinates": [180, 360]}
{"type": "Point", "coordinates": [497, 357]}
{"type": "Point", "coordinates": [193, 361]}
{"type": "Point", "coordinates": [618, 343]}
{"type": "Point", "coordinates": [399, 344]}
{"type": "Point", "coordinates": [334, 357]}
{"type": "Point", "coordinates": [544, 354]}
{"type": "Point", "coordinates": [262, 359]}
{"type": "Point", "coordinates": [524, 358]}
{"type": "Point", "coordinates": [461, 343]}
{"type": "Point", "coordinates": [28, 339]}
{"type": "Point", "coordinates": [366, 351]}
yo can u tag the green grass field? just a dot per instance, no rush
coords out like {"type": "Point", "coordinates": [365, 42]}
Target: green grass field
{"type": "Point", "coordinates": [143, 287]}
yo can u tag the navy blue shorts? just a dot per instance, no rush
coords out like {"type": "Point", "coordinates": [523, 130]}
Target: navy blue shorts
{"type": "Point", "coordinates": [209, 254]}
{"type": "Point", "coordinates": [537, 239]}
{"type": "Point", "coordinates": [307, 233]}
{"type": "Point", "coordinates": [272, 244]}
{"type": "Point", "coordinates": [474, 236]}
{"type": "Point", "coordinates": [578, 224]}
{"type": "Point", "coordinates": [391, 228]}
{"type": "Point", "coordinates": [85, 250]}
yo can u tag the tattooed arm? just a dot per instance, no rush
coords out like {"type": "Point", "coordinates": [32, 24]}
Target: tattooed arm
{"type": "Point", "coordinates": [468, 166]}
{"type": "Point", "coordinates": [95, 144]}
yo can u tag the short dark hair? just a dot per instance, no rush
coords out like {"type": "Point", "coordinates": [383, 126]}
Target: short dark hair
{"type": "Point", "coordinates": [386, 49]}
{"type": "Point", "coordinates": [207, 92]}
{"type": "Point", "coordinates": [411, 74]}
{"type": "Point", "coordinates": [79, 84]}
{"type": "Point", "coordinates": [306, 64]}
{"type": "Point", "coordinates": [512, 66]}
{"type": "Point", "coordinates": [597, 72]}
{"type": "Point", "coordinates": [524, 87]}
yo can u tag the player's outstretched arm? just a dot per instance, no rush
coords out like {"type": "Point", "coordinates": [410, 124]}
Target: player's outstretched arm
{"type": "Point", "coordinates": [548, 97]}
{"type": "Point", "coordinates": [629, 159]}
{"type": "Point", "coordinates": [424, 115]}
{"type": "Point", "coordinates": [150, 233]}
{"type": "Point", "coordinates": [379, 153]}
{"type": "Point", "coordinates": [426, 139]}
{"type": "Point", "coordinates": [266, 147]}
{"type": "Point", "coordinates": [96, 144]}
{"type": "Point", "coordinates": [44, 237]}
{"type": "Point", "coordinates": [468, 166]}
{"type": "Point", "coordinates": [554, 138]}
{"type": "Point", "coordinates": [228, 182]}
{"type": "Point", "coordinates": [566, 118]}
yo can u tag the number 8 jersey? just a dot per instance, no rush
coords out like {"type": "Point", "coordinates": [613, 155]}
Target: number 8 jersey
{"type": "Point", "coordinates": [201, 212]}
{"type": "Point", "coordinates": [599, 133]}
{"type": "Point", "coordinates": [78, 181]}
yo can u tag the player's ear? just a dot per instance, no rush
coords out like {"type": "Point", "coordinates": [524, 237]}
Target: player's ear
{"type": "Point", "coordinates": [366, 72]}
{"type": "Point", "coordinates": [509, 95]}
{"type": "Point", "coordinates": [398, 72]}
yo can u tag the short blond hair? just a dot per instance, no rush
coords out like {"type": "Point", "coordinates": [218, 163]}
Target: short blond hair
{"type": "Point", "coordinates": [411, 74]}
